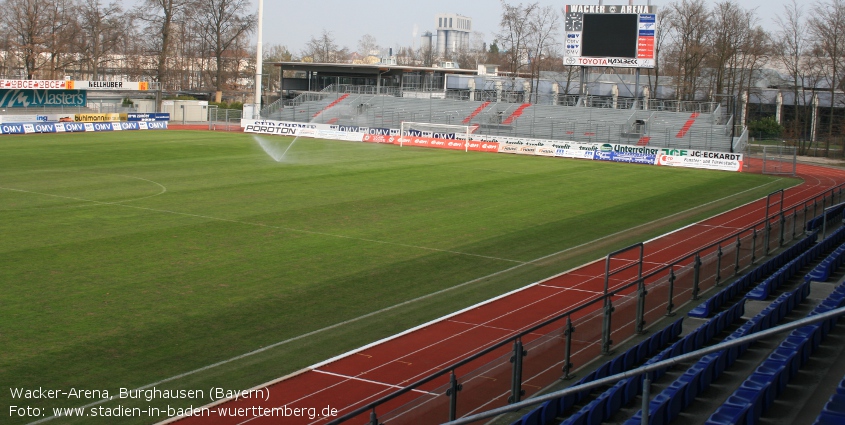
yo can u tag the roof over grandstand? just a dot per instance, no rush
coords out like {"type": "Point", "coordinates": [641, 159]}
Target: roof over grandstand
{"type": "Point", "coordinates": [366, 69]}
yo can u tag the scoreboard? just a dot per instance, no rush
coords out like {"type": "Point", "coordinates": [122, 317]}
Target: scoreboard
{"type": "Point", "coordinates": [615, 36]}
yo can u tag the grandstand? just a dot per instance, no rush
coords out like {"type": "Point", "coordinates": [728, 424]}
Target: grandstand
{"type": "Point", "coordinates": [698, 125]}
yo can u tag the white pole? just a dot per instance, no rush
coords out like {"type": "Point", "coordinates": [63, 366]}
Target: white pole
{"type": "Point", "coordinates": [259, 64]}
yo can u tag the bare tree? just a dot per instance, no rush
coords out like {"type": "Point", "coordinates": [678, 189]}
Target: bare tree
{"type": "Point", "coordinates": [515, 34]}
{"type": "Point", "coordinates": [64, 29]}
{"type": "Point", "coordinates": [660, 37]}
{"type": "Point", "coordinates": [790, 43]}
{"type": "Point", "coordinates": [168, 11]}
{"type": "Point", "coordinates": [732, 26]}
{"type": "Point", "coordinates": [324, 49]}
{"type": "Point", "coordinates": [368, 45]}
{"type": "Point", "coordinates": [275, 53]}
{"type": "Point", "coordinates": [689, 26]}
{"type": "Point", "coordinates": [103, 28]}
{"type": "Point", "coordinates": [827, 27]}
{"type": "Point", "coordinates": [28, 29]}
{"type": "Point", "coordinates": [473, 54]}
{"type": "Point", "coordinates": [221, 24]}
{"type": "Point", "coordinates": [543, 26]}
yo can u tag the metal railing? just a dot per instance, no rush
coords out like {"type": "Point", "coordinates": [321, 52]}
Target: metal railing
{"type": "Point", "coordinates": [551, 349]}
{"type": "Point", "coordinates": [224, 119]}
{"type": "Point", "coordinates": [663, 364]}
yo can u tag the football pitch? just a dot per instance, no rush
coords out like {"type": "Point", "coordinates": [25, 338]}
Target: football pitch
{"type": "Point", "coordinates": [193, 260]}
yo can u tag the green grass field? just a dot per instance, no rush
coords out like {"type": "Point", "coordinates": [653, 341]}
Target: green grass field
{"type": "Point", "coordinates": [127, 259]}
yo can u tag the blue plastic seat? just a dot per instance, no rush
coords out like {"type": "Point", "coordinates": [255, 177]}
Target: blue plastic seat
{"type": "Point", "coordinates": [676, 392]}
{"type": "Point", "coordinates": [688, 343]}
{"type": "Point", "coordinates": [707, 365]}
{"type": "Point", "coordinates": [603, 371]}
{"type": "Point", "coordinates": [730, 414]}
{"type": "Point", "coordinates": [595, 410]}
{"type": "Point", "coordinates": [549, 411]}
{"type": "Point", "coordinates": [677, 349]}
{"type": "Point", "coordinates": [566, 402]}
{"type": "Point", "coordinates": [711, 329]}
{"type": "Point", "coordinates": [776, 373]}
{"type": "Point", "coordinates": [616, 398]}
{"type": "Point", "coordinates": [576, 418]}
{"type": "Point", "coordinates": [643, 351]}
{"type": "Point", "coordinates": [677, 328]}
{"type": "Point", "coordinates": [754, 398]}
{"type": "Point", "coordinates": [840, 389]}
{"type": "Point", "coordinates": [657, 409]}
{"type": "Point", "coordinates": [630, 358]}
{"type": "Point", "coordinates": [666, 336]}
{"type": "Point", "coordinates": [633, 387]}
{"type": "Point", "coordinates": [720, 363]}
{"type": "Point", "coordinates": [835, 406]}
{"type": "Point", "coordinates": [789, 358]}
{"type": "Point", "coordinates": [617, 365]}
{"type": "Point", "coordinates": [531, 418]}
{"type": "Point", "coordinates": [693, 379]}
{"type": "Point", "coordinates": [764, 386]}
{"type": "Point", "coordinates": [654, 343]}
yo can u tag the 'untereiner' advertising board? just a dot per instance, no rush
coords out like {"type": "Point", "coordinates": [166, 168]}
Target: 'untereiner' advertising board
{"type": "Point", "coordinates": [521, 146]}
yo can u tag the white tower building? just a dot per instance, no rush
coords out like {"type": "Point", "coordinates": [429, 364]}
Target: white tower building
{"type": "Point", "coordinates": [452, 33]}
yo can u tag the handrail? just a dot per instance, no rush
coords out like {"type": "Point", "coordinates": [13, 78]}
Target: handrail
{"type": "Point", "coordinates": [588, 303]}
{"type": "Point", "coordinates": [663, 364]}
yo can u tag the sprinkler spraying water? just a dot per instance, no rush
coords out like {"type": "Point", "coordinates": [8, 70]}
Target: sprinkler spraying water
{"type": "Point", "coordinates": [276, 150]}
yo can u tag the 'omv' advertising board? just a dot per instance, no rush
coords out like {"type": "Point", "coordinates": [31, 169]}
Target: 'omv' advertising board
{"type": "Point", "coordinates": [25, 98]}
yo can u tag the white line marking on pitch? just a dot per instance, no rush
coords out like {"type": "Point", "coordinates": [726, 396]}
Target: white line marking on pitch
{"type": "Point", "coordinates": [355, 378]}
{"type": "Point", "coordinates": [389, 308]}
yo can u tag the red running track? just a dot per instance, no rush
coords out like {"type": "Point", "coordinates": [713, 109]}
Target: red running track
{"type": "Point", "coordinates": [363, 376]}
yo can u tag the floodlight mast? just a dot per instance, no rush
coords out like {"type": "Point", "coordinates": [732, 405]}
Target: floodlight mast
{"type": "Point", "coordinates": [259, 64]}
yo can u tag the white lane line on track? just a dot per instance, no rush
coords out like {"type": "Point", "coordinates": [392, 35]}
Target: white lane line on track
{"type": "Point", "coordinates": [369, 381]}
{"type": "Point", "coordinates": [480, 325]}
{"type": "Point", "coordinates": [571, 289]}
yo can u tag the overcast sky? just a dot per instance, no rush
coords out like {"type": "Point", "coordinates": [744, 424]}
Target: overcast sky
{"type": "Point", "coordinates": [401, 22]}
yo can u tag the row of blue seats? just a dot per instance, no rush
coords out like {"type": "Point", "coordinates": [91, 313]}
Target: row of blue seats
{"type": "Point", "coordinates": [816, 222]}
{"type": "Point", "coordinates": [763, 290]}
{"type": "Point", "coordinates": [714, 303]}
{"type": "Point", "coordinates": [668, 404]}
{"type": "Point", "coordinates": [822, 272]}
{"type": "Point", "coordinates": [631, 358]}
{"type": "Point", "coordinates": [612, 400]}
{"type": "Point", "coordinates": [759, 391]}
{"type": "Point", "coordinates": [833, 411]}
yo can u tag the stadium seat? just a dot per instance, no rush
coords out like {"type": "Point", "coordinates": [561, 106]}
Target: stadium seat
{"type": "Point", "coordinates": [603, 371]}
{"type": "Point", "coordinates": [693, 379]}
{"type": "Point", "coordinates": [549, 411]}
{"type": "Point", "coordinates": [835, 407]}
{"type": "Point", "coordinates": [531, 418]}
{"type": "Point", "coordinates": [733, 412]}
{"type": "Point", "coordinates": [676, 393]}
{"type": "Point", "coordinates": [616, 398]}
{"type": "Point", "coordinates": [617, 365]}
{"type": "Point", "coordinates": [596, 410]}
{"type": "Point", "coordinates": [577, 418]}
{"type": "Point", "coordinates": [630, 358]}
